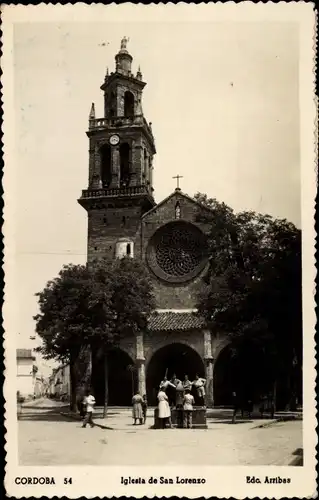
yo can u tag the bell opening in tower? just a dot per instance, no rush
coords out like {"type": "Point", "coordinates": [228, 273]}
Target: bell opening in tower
{"type": "Point", "coordinates": [128, 104]}
{"type": "Point", "coordinates": [124, 165]}
{"type": "Point", "coordinates": [106, 165]}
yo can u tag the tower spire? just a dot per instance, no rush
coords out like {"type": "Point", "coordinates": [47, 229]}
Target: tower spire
{"type": "Point", "coordinates": [92, 112]}
{"type": "Point", "coordinates": [139, 73]}
{"type": "Point", "coordinates": [123, 59]}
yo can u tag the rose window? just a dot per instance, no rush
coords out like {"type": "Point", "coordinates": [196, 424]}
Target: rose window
{"type": "Point", "coordinates": [176, 252]}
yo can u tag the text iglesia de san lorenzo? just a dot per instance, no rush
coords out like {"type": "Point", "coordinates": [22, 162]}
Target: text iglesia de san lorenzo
{"type": "Point", "coordinates": [123, 219]}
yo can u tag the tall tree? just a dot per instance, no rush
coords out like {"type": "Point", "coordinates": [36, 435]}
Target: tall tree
{"type": "Point", "coordinates": [253, 285]}
{"type": "Point", "coordinates": [89, 309]}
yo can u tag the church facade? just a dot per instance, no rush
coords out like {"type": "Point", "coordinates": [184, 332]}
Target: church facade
{"type": "Point", "coordinates": [124, 220]}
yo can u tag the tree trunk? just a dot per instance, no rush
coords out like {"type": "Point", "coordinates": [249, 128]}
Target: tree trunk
{"type": "Point", "coordinates": [73, 382]}
{"type": "Point", "coordinates": [106, 387]}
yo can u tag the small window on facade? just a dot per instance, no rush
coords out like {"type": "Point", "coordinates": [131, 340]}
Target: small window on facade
{"type": "Point", "coordinates": [177, 211]}
{"type": "Point", "coordinates": [123, 220]}
{"type": "Point", "coordinates": [128, 249]}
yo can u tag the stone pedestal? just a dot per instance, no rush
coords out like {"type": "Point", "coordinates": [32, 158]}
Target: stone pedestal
{"type": "Point", "coordinates": [199, 418]}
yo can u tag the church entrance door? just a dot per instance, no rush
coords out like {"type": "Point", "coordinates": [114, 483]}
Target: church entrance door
{"type": "Point", "coordinates": [122, 378]}
{"type": "Point", "coordinates": [178, 359]}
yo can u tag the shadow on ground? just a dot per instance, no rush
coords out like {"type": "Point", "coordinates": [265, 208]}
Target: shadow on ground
{"type": "Point", "coordinates": [60, 414]}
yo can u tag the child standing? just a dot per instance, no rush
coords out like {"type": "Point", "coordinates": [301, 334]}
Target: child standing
{"type": "Point", "coordinates": [188, 410]}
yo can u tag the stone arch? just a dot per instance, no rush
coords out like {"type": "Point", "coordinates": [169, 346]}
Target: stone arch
{"type": "Point", "coordinates": [177, 358]}
{"type": "Point", "coordinates": [240, 367]}
{"type": "Point", "coordinates": [122, 377]}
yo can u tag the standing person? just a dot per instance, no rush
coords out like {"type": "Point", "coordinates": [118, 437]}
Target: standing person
{"type": "Point", "coordinates": [89, 402]}
{"type": "Point", "coordinates": [172, 394]}
{"type": "Point", "coordinates": [168, 387]}
{"type": "Point", "coordinates": [137, 401]}
{"type": "Point", "coordinates": [199, 384]}
{"type": "Point", "coordinates": [164, 411]}
{"type": "Point", "coordinates": [166, 383]}
{"type": "Point", "coordinates": [179, 395]}
{"type": "Point", "coordinates": [175, 381]}
{"type": "Point", "coordinates": [188, 410]}
{"type": "Point", "coordinates": [144, 408]}
{"type": "Point", "coordinates": [187, 384]}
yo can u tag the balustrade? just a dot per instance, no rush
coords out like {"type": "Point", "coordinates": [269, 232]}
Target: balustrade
{"type": "Point", "coordinates": [101, 193]}
{"type": "Point", "coordinates": [116, 122]}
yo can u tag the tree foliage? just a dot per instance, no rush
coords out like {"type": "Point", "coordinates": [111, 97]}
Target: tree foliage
{"type": "Point", "coordinates": [92, 307]}
{"type": "Point", "coordinates": [252, 289]}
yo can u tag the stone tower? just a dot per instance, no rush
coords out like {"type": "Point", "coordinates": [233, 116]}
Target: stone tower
{"type": "Point", "coordinates": [120, 185]}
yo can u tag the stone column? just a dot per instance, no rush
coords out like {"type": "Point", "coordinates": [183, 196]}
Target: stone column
{"type": "Point", "coordinates": [140, 361]}
{"type": "Point", "coordinates": [115, 167]}
{"type": "Point", "coordinates": [209, 367]}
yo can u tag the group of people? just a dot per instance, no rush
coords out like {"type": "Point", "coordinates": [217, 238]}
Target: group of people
{"type": "Point", "coordinates": [180, 397]}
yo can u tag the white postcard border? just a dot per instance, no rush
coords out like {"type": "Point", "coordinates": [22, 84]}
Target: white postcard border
{"type": "Point", "coordinates": [227, 481]}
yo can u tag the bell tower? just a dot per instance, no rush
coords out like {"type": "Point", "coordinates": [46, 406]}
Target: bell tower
{"type": "Point", "coordinates": [121, 150]}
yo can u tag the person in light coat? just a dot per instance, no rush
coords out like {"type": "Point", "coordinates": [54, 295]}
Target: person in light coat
{"type": "Point", "coordinates": [137, 401]}
{"type": "Point", "coordinates": [199, 384]}
{"type": "Point", "coordinates": [164, 411]}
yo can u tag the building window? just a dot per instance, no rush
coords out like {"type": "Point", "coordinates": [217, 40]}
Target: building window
{"type": "Point", "coordinates": [128, 249]}
{"type": "Point", "coordinates": [177, 211]}
{"type": "Point", "coordinates": [128, 104]}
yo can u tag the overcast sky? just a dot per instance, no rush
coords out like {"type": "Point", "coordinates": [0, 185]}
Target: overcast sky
{"type": "Point", "coordinates": [223, 101]}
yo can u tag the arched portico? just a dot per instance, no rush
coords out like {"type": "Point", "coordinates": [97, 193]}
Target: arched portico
{"type": "Point", "coordinates": [175, 358]}
{"type": "Point", "coordinates": [242, 368]}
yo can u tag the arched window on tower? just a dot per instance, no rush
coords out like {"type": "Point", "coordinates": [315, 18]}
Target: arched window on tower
{"type": "Point", "coordinates": [128, 104]}
{"type": "Point", "coordinates": [124, 164]}
{"type": "Point", "coordinates": [177, 211]}
{"type": "Point", "coordinates": [112, 105]}
{"type": "Point", "coordinates": [106, 165]}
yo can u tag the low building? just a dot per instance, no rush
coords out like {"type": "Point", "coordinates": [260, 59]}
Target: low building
{"type": "Point", "coordinates": [26, 372]}
{"type": "Point", "coordinates": [59, 382]}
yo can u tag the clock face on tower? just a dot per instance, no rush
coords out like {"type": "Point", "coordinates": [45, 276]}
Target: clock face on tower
{"type": "Point", "coordinates": [114, 140]}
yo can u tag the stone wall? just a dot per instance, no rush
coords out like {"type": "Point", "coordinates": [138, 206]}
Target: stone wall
{"type": "Point", "coordinates": [107, 225]}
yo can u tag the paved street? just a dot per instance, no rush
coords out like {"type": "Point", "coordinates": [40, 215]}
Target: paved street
{"type": "Point", "coordinates": [48, 438]}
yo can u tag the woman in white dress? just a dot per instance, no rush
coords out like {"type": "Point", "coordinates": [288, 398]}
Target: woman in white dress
{"type": "Point", "coordinates": [164, 411]}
